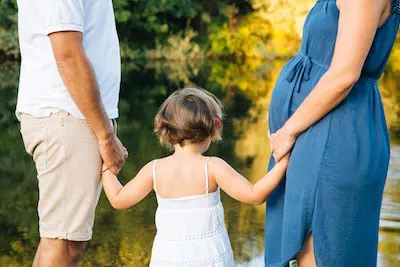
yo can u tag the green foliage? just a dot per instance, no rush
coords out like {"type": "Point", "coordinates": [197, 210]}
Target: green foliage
{"type": "Point", "coordinates": [154, 28]}
{"type": "Point", "coordinates": [240, 37]}
{"type": "Point", "coordinates": [179, 47]}
{"type": "Point", "coordinates": [8, 30]}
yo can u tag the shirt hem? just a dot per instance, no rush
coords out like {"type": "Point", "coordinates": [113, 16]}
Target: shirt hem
{"type": "Point", "coordinates": [111, 114]}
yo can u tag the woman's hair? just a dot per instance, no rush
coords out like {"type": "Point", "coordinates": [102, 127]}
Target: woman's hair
{"type": "Point", "coordinates": [189, 115]}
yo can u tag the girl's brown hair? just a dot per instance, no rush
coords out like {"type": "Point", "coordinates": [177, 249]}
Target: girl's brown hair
{"type": "Point", "coordinates": [189, 115]}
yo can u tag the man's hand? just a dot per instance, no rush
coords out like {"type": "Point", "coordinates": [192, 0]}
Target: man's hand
{"type": "Point", "coordinates": [113, 153]}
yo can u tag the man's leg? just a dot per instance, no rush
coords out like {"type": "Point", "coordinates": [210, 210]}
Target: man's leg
{"type": "Point", "coordinates": [75, 250]}
{"type": "Point", "coordinates": [53, 252]}
{"type": "Point", "coordinates": [68, 162]}
{"type": "Point", "coordinates": [58, 252]}
{"type": "Point", "coordinates": [37, 256]}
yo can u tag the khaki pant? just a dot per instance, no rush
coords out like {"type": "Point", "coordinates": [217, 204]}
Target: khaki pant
{"type": "Point", "coordinates": [68, 163]}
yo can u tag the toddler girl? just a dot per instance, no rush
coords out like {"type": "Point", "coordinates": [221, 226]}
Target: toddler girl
{"type": "Point", "coordinates": [190, 216]}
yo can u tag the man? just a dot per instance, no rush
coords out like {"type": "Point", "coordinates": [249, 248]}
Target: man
{"type": "Point", "coordinates": [67, 100]}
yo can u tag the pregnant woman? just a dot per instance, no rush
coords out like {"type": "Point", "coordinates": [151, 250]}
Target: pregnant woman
{"type": "Point", "coordinates": [326, 109]}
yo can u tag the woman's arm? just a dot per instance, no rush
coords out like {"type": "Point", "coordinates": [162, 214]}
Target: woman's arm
{"type": "Point", "coordinates": [358, 22]}
{"type": "Point", "coordinates": [239, 188]}
{"type": "Point", "coordinates": [123, 197]}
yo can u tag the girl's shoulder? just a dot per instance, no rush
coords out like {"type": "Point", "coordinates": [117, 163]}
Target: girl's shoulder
{"type": "Point", "coordinates": [216, 164]}
{"type": "Point", "coordinates": [215, 160]}
{"type": "Point", "coordinates": [156, 161]}
{"type": "Point", "coordinates": [150, 167]}
{"type": "Point", "coordinates": [147, 169]}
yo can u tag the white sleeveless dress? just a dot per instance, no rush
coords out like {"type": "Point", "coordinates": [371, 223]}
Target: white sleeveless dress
{"type": "Point", "coordinates": [191, 231]}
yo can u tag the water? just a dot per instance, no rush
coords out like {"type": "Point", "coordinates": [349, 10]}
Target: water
{"type": "Point", "coordinates": [124, 238]}
{"type": "Point", "coordinates": [389, 238]}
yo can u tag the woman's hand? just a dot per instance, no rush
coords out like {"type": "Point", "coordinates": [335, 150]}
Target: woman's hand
{"type": "Point", "coordinates": [281, 142]}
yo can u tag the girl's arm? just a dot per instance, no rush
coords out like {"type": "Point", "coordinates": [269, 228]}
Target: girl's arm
{"type": "Point", "coordinates": [239, 188]}
{"type": "Point", "coordinates": [358, 22]}
{"type": "Point", "coordinates": [123, 197]}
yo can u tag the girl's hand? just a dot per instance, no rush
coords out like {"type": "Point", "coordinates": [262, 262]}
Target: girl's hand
{"type": "Point", "coordinates": [285, 160]}
{"type": "Point", "coordinates": [282, 142]}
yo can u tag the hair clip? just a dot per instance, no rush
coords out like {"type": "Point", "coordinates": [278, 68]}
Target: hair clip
{"type": "Point", "coordinates": [218, 121]}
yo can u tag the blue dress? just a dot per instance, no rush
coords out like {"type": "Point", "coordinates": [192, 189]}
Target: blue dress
{"type": "Point", "coordinates": [337, 170]}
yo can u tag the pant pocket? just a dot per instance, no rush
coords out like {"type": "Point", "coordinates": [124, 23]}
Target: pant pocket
{"type": "Point", "coordinates": [35, 142]}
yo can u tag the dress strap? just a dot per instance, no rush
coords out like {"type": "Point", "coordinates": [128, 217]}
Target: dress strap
{"type": "Point", "coordinates": [206, 169]}
{"type": "Point", "coordinates": [154, 176]}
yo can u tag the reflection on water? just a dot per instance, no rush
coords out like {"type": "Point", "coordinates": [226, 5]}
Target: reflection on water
{"type": "Point", "coordinates": [124, 238]}
{"type": "Point", "coordinates": [389, 238]}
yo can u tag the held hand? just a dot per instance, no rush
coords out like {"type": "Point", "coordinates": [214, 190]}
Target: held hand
{"type": "Point", "coordinates": [285, 160]}
{"type": "Point", "coordinates": [104, 169]}
{"type": "Point", "coordinates": [282, 142]}
{"type": "Point", "coordinates": [113, 153]}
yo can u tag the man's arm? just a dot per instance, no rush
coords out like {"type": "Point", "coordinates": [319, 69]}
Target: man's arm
{"type": "Point", "coordinates": [80, 81]}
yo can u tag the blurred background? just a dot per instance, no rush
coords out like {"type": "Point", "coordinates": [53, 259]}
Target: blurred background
{"type": "Point", "coordinates": [235, 49]}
